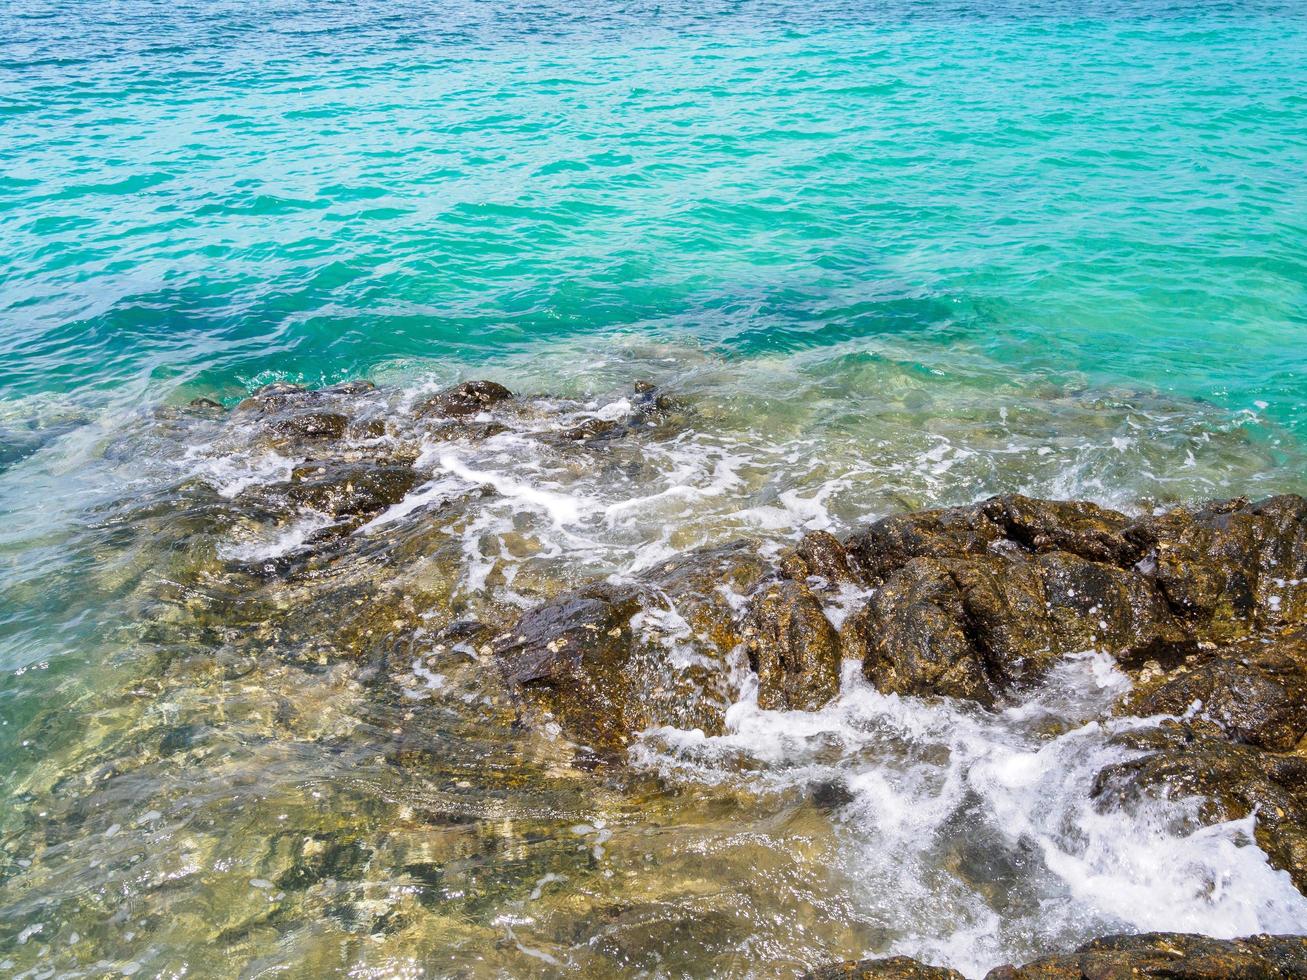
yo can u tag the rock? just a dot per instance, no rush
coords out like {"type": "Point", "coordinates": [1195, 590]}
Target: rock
{"type": "Point", "coordinates": [1169, 955]}
{"type": "Point", "coordinates": [1077, 527]}
{"type": "Point", "coordinates": [1231, 567]}
{"type": "Point", "coordinates": [1231, 780]}
{"type": "Point", "coordinates": [1163, 955]}
{"type": "Point", "coordinates": [349, 489]}
{"type": "Point", "coordinates": [1095, 605]}
{"type": "Point", "coordinates": [588, 430]}
{"type": "Point", "coordinates": [1010, 524]}
{"type": "Point", "coordinates": [468, 398]}
{"type": "Point", "coordinates": [205, 404]}
{"type": "Point", "coordinates": [274, 397]}
{"type": "Point", "coordinates": [793, 648]}
{"type": "Point", "coordinates": [968, 629]}
{"type": "Point", "coordinates": [1254, 690]}
{"type": "Point", "coordinates": [891, 968]}
{"type": "Point", "coordinates": [974, 600]}
{"type": "Point", "coordinates": [612, 660]}
{"type": "Point", "coordinates": [573, 655]}
{"type": "Point", "coordinates": [313, 425]}
{"type": "Point", "coordinates": [358, 386]}
{"type": "Point", "coordinates": [820, 554]}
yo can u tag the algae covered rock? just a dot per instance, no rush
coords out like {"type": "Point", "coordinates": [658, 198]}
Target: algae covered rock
{"type": "Point", "coordinates": [611, 660]}
{"type": "Point", "coordinates": [793, 648]}
{"type": "Point", "coordinates": [354, 488]}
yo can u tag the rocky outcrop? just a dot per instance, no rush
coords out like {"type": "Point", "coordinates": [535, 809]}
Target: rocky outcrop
{"type": "Point", "coordinates": [977, 602]}
{"type": "Point", "coordinates": [1253, 690]}
{"type": "Point", "coordinates": [1163, 955]}
{"type": "Point", "coordinates": [1205, 608]}
{"type": "Point", "coordinates": [974, 601]}
{"type": "Point", "coordinates": [1228, 780]}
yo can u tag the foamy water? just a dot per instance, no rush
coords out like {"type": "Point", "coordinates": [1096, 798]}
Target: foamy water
{"type": "Point", "coordinates": [971, 837]}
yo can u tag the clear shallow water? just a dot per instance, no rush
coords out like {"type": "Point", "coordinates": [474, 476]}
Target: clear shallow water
{"type": "Point", "coordinates": [896, 255]}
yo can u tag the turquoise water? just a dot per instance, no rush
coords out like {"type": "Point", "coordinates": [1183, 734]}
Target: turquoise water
{"type": "Point", "coordinates": [201, 195]}
{"type": "Point", "coordinates": [897, 254]}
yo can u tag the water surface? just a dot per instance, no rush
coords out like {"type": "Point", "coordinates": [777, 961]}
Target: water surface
{"type": "Point", "coordinates": [894, 255]}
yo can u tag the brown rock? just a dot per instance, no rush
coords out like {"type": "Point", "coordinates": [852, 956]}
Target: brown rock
{"type": "Point", "coordinates": [313, 425]}
{"type": "Point", "coordinates": [1254, 690]}
{"type": "Point", "coordinates": [793, 648]}
{"type": "Point", "coordinates": [1230, 567]}
{"type": "Point", "coordinates": [1183, 759]}
{"type": "Point", "coordinates": [1169, 955]}
{"type": "Point", "coordinates": [820, 554]}
{"type": "Point", "coordinates": [581, 657]}
{"type": "Point", "coordinates": [468, 398]}
{"type": "Point", "coordinates": [960, 628]}
{"type": "Point", "coordinates": [891, 968]}
{"type": "Point", "coordinates": [346, 489]}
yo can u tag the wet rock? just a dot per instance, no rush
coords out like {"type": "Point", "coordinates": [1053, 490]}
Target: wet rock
{"type": "Point", "coordinates": [574, 655]}
{"type": "Point", "coordinates": [1169, 955]}
{"type": "Point", "coordinates": [205, 404]}
{"type": "Point", "coordinates": [468, 398]}
{"type": "Point", "coordinates": [890, 968]}
{"type": "Point", "coordinates": [820, 554]}
{"type": "Point", "coordinates": [1228, 781]}
{"type": "Point", "coordinates": [974, 600]}
{"type": "Point", "coordinates": [469, 430]}
{"type": "Point", "coordinates": [274, 397]}
{"type": "Point", "coordinates": [1077, 527]}
{"type": "Point", "coordinates": [968, 629]}
{"type": "Point", "coordinates": [1094, 605]}
{"type": "Point", "coordinates": [793, 648]}
{"type": "Point", "coordinates": [358, 386]}
{"type": "Point", "coordinates": [313, 425]}
{"type": "Point", "coordinates": [612, 660]}
{"type": "Point", "coordinates": [349, 489]}
{"type": "Point", "coordinates": [830, 794]}
{"type": "Point", "coordinates": [589, 430]}
{"type": "Point", "coordinates": [1231, 567]}
{"type": "Point", "coordinates": [1254, 690]}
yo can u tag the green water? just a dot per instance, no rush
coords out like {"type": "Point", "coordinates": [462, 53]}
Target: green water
{"type": "Point", "coordinates": [895, 254]}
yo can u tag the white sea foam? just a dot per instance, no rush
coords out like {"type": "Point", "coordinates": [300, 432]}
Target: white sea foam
{"type": "Point", "coordinates": [972, 836]}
